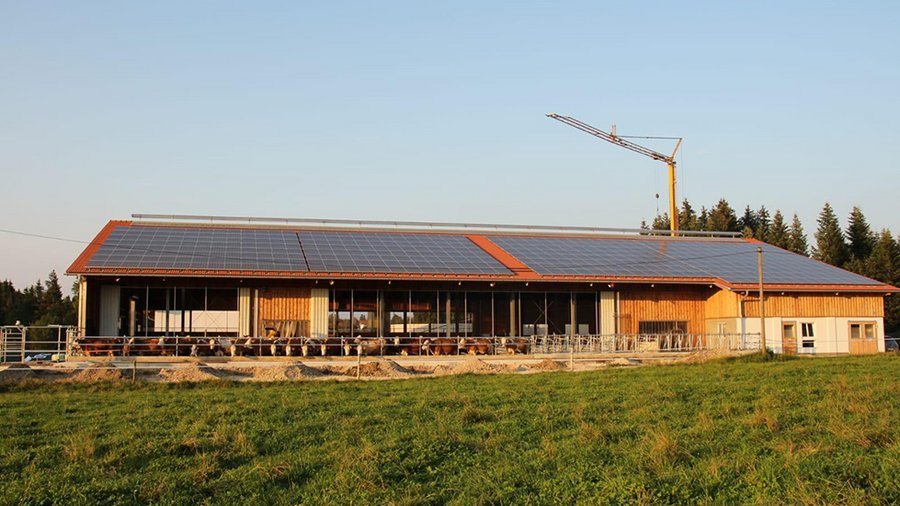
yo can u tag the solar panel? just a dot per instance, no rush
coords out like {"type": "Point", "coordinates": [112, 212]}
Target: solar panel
{"type": "Point", "coordinates": [153, 247]}
{"type": "Point", "coordinates": [396, 253]}
{"type": "Point", "coordinates": [732, 261]}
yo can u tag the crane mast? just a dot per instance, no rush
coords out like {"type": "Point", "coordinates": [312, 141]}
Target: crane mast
{"type": "Point", "coordinates": [637, 148]}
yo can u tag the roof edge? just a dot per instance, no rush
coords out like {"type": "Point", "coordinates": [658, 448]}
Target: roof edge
{"type": "Point", "coordinates": [79, 266]}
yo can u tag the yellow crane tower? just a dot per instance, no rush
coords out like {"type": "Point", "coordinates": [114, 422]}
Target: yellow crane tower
{"type": "Point", "coordinates": [637, 148]}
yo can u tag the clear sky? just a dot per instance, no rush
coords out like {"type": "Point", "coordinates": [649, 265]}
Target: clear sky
{"type": "Point", "coordinates": [435, 111]}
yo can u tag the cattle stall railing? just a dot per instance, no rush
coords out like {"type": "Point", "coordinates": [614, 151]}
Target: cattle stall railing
{"type": "Point", "coordinates": [188, 346]}
{"type": "Point", "coordinates": [26, 343]}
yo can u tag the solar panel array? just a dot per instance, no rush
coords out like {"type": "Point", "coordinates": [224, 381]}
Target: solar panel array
{"type": "Point", "coordinates": [396, 253]}
{"type": "Point", "coordinates": [162, 247]}
{"type": "Point", "coordinates": [146, 247]}
{"type": "Point", "coordinates": [198, 248]}
{"type": "Point", "coordinates": [732, 261]}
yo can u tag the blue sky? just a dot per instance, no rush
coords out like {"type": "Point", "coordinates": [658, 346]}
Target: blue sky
{"type": "Point", "coordinates": [435, 111]}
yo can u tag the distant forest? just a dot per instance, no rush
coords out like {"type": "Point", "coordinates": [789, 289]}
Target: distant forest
{"type": "Point", "coordinates": [857, 248]}
{"type": "Point", "coordinates": [42, 303]}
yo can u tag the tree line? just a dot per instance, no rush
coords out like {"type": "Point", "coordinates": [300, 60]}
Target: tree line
{"type": "Point", "coordinates": [857, 248]}
{"type": "Point", "coordinates": [42, 303]}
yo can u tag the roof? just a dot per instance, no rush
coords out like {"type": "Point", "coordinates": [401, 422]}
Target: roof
{"type": "Point", "coordinates": [125, 248]}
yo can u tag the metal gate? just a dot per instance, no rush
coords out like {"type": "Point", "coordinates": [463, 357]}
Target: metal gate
{"type": "Point", "coordinates": [20, 343]}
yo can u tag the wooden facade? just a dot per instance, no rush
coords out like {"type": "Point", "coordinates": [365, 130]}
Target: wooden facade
{"type": "Point", "coordinates": [684, 303]}
{"type": "Point", "coordinates": [284, 304]}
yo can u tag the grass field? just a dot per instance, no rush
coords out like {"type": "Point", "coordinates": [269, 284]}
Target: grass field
{"type": "Point", "coordinates": [740, 431]}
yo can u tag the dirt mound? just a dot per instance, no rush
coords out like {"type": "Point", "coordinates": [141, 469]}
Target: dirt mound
{"type": "Point", "coordinates": [470, 366]}
{"type": "Point", "coordinates": [381, 369]}
{"type": "Point", "coordinates": [624, 362]}
{"type": "Point", "coordinates": [97, 373]}
{"type": "Point", "coordinates": [547, 365]}
{"type": "Point", "coordinates": [16, 374]}
{"type": "Point", "coordinates": [189, 374]}
{"type": "Point", "coordinates": [291, 372]}
{"type": "Point", "coordinates": [704, 356]}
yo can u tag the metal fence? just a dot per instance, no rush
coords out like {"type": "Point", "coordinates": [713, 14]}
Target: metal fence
{"type": "Point", "coordinates": [62, 342]}
{"type": "Point", "coordinates": [20, 343]}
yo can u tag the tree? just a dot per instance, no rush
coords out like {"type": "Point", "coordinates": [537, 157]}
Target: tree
{"type": "Point", "coordinates": [747, 221]}
{"type": "Point", "coordinates": [777, 235]}
{"type": "Point", "coordinates": [761, 231]}
{"type": "Point", "coordinates": [830, 246]}
{"type": "Point", "coordinates": [687, 218]}
{"type": "Point", "coordinates": [860, 236]}
{"type": "Point", "coordinates": [883, 264]}
{"type": "Point", "coordinates": [797, 238]}
{"type": "Point", "coordinates": [661, 222]}
{"type": "Point", "coordinates": [703, 219]}
{"type": "Point", "coordinates": [722, 218]}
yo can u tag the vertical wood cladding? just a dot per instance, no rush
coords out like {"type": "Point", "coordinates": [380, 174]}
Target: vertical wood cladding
{"type": "Point", "coordinates": [817, 305]}
{"type": "Point", "coordinates": [663, 304]}
{"type": "Point", "coordinates": [283, 304]}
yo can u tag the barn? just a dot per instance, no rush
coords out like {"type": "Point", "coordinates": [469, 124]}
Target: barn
{"type": "Point", "coordinates": [217, 277]}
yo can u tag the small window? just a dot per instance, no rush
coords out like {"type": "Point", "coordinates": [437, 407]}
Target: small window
{"type": "Point", "coordinates": [789, 331]}
{"type": "Point", "coordinates": [869, 330]}
{"type": "Point", "coordinates": [862, 331]}
{"type": "Point", "coordinates": [806, 330]}
{"type": "Point", "coordinates": [808, 343]}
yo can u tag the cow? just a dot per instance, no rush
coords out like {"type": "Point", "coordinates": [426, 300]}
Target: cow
{"type": "Point", "coordinates": [369, 346]}
{"type": "Point", "coordinates": [514, 345]}
{"type": "Point", "coordinates": [476, 346]}
{"type": "Point", "coordinates": [96, 346]}
{"type": "Point", "coordinates": [440, 346]}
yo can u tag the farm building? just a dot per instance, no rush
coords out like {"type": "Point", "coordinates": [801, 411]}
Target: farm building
{"type": "Point", "coordinates": [242, 279]}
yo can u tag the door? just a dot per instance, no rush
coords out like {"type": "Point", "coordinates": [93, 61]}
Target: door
{"type": "Point", "coordinates": [789, 338]}
{"type": "Point", "coordinates": [862, 338]}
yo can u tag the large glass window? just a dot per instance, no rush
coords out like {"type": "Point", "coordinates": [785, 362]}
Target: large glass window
{"type": "Point", "coordinates": [339, 317]}
{"type": "Point", "coordinates": [422, 319]}
{"type": "Point", "coordinates": [365, 313]}
{"type": "Point", "coordinates": [505, 317]}
{"type": "Point", "coordinates": [179, 311]}
{"type": "Point", "coordinates": [396, 305]}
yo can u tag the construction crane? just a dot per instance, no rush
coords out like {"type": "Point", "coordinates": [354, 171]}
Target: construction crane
{"type": "Point", "coordinates": [637, 148]}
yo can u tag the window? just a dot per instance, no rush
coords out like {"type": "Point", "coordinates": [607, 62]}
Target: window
{"type": "Point", "coordinates": [662, 327]}
{"type": "Point", "coordinates": [806, 330]}
{"type": "Point", "coordinates": [789, 331]}
{"type": "Point", "coordinates": [862, 331]}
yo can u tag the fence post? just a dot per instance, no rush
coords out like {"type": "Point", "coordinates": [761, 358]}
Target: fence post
{"type": "Point", "coordinates": [358, 361]}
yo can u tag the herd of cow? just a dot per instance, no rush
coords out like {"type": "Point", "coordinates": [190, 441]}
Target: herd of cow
{"type": "Point", "coordinates": [295, 346]}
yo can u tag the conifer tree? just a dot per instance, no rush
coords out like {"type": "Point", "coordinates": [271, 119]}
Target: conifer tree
{"type": "Point", "coordinates": [860, 236]}
{"type": "Point", "coordinates": [883, 264]}
{"type": "Point", "coordinates": [747, 221]}
{"type": "Point", "coordinates": [661, 222]}
{"type": "Point", "coordinates": [797, 238]}
{"type": "Point", "coordinates": [830, 246]}
{"type": "Point", "coordinates": [703, 219]}
{"type": "Point", "coordinates": [778, 231]}
{"type": "Point", "coordinates": [687, 217]}
{"type": "Point", "coordinates": [722, 218]}
{"type": "Point", "coordinates": [763, 222]}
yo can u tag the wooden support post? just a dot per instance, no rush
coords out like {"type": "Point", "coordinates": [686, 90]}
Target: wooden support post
{"type": "Point", "coordinates": [762, 302]}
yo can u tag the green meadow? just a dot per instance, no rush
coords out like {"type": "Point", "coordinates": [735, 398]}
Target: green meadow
{"type": "Point", "coordinates": [811, 431]}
